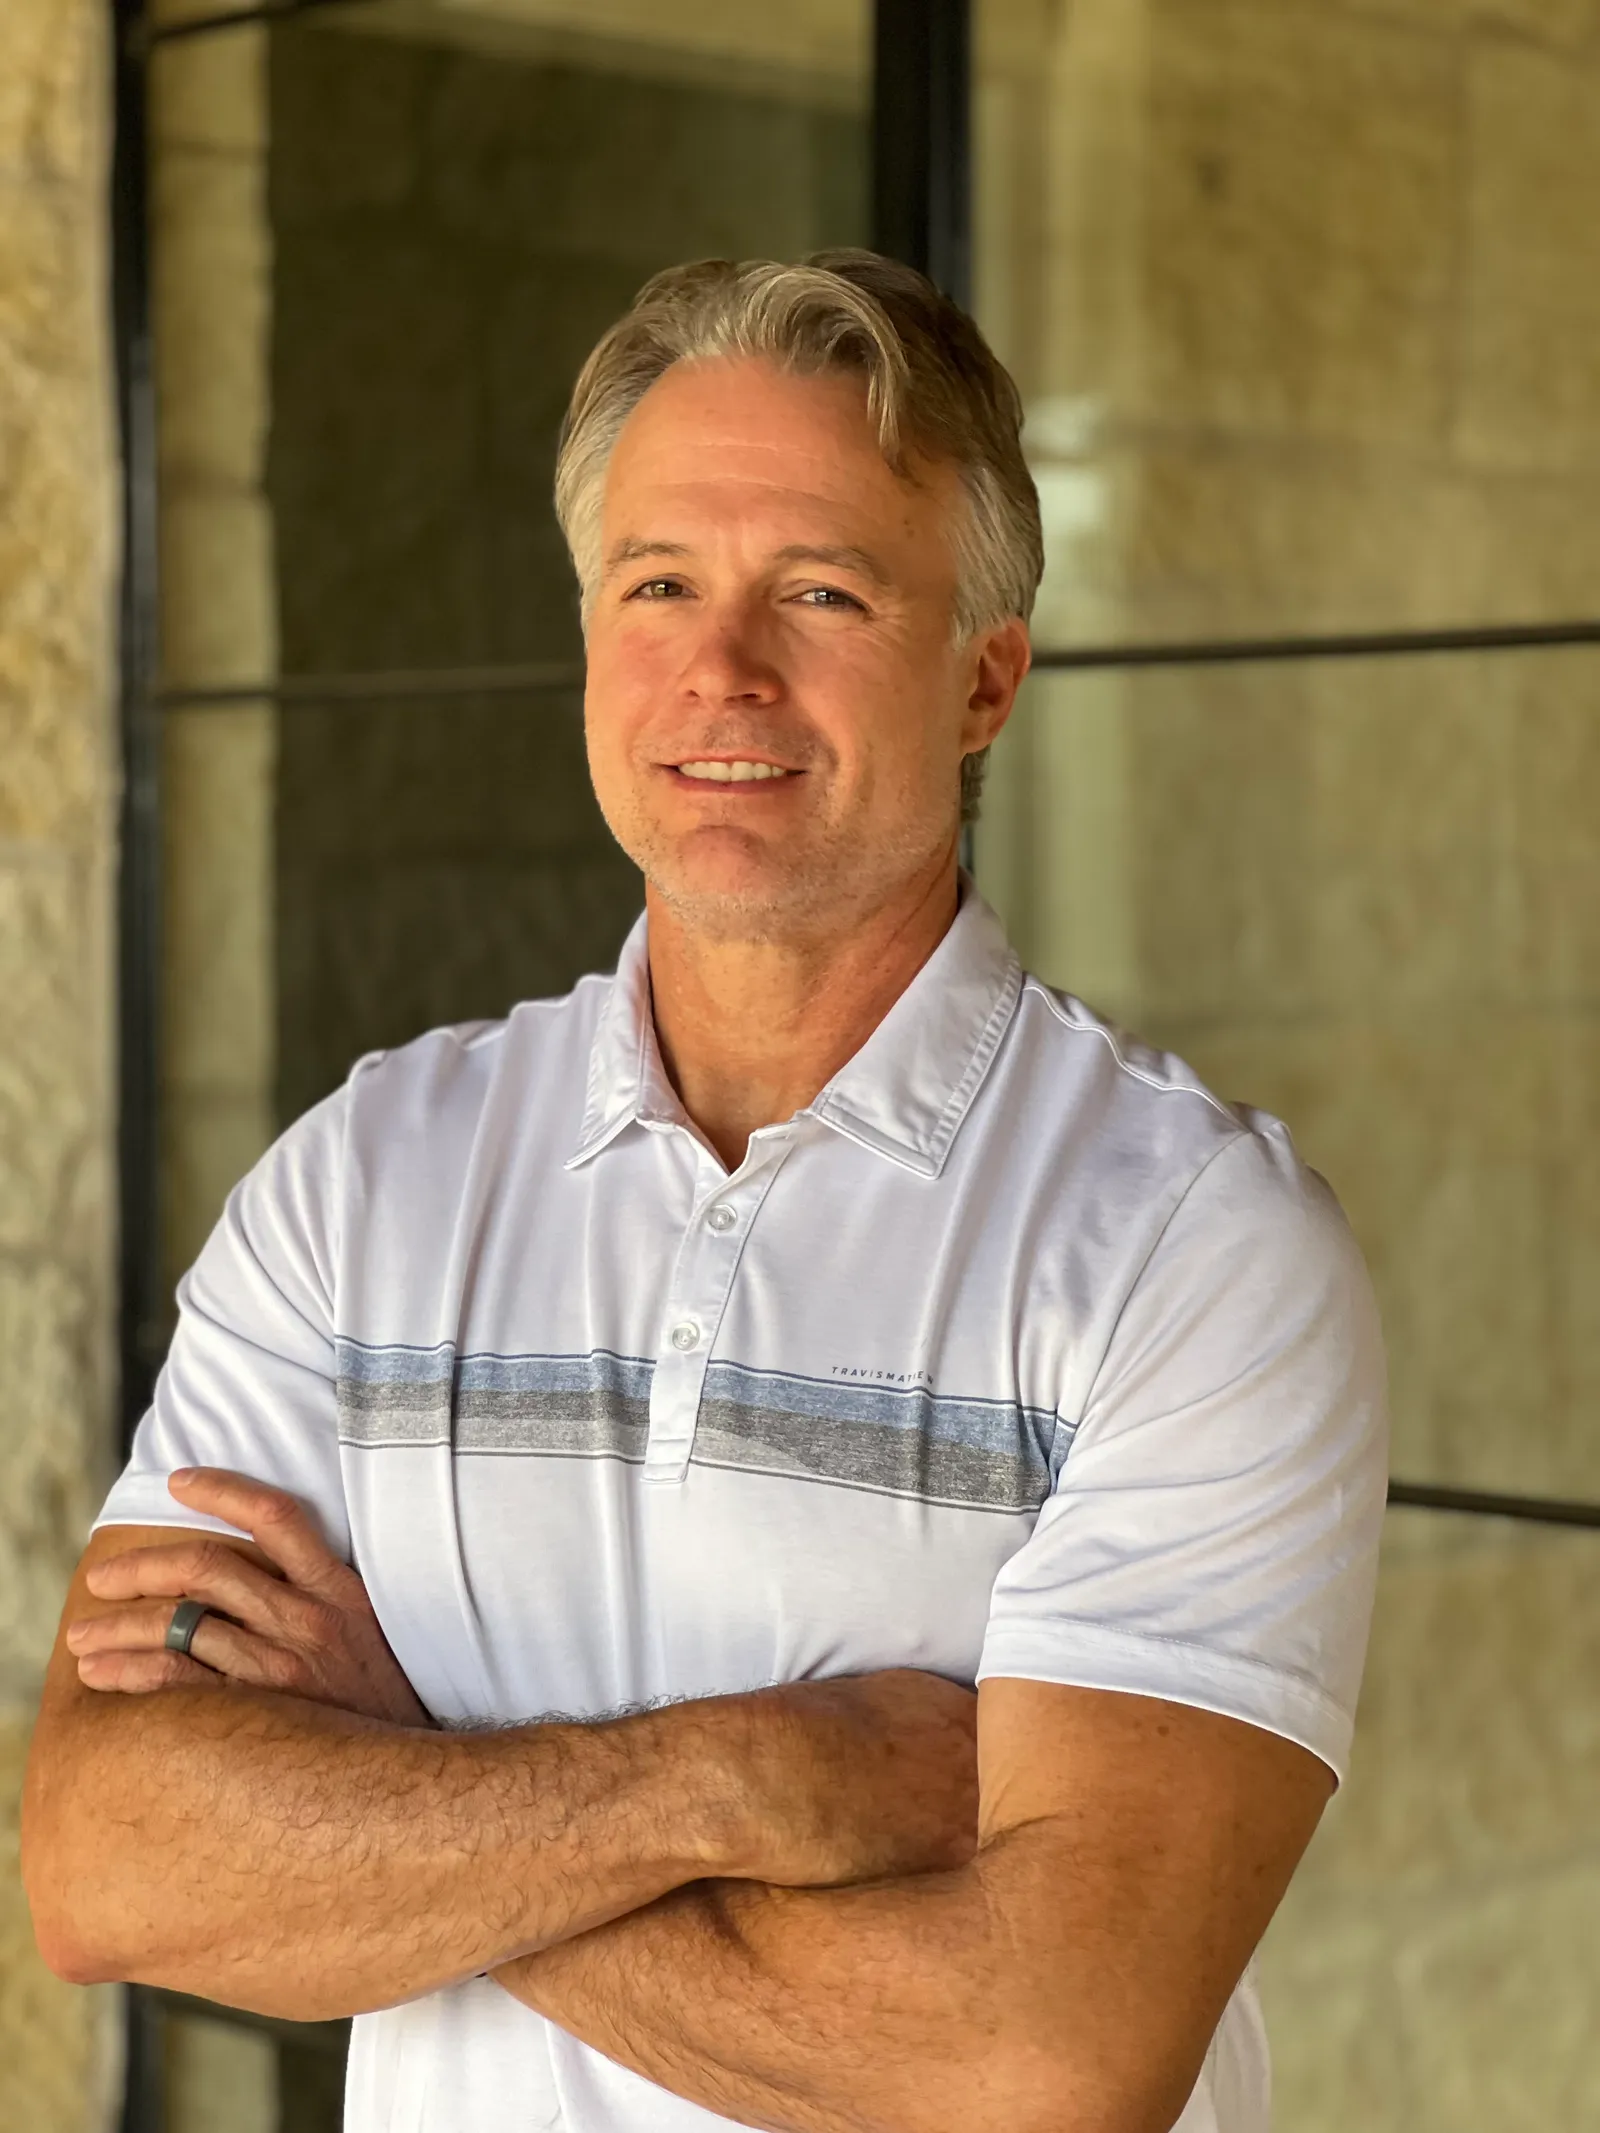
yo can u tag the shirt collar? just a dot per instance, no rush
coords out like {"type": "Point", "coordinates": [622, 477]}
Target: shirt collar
{"type": "Point", "coordinates": [904, 1095]}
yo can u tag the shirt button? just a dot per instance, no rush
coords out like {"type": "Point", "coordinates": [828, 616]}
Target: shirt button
{"type": "Point", "coordinates": [722, 1218]}
{"type": "Point", "coordinates": [685, 1335]}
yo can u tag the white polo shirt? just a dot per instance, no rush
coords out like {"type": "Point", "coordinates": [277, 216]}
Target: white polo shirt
{"type": "Point", "coordinates": [1016, 1352]}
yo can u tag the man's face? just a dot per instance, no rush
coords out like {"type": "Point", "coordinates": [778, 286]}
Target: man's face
{"type": "Point", "coordinates": [776, 710]}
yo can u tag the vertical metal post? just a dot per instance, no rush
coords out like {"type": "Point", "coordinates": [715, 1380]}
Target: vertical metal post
{"type": "Point", "coordinates": [138, 876]}
{"type": "Point", "coordinates": [139, 1322]}
{"type": "Point", "coordinates": [922, 152]}
{"type": "Point", "coordinates": [921, 136]}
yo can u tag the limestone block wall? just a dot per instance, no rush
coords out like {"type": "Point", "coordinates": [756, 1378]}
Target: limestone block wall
{"type": "Point", "coordinates": [57, 795]}
{"type": "Point", "coordinates": [1307, 337]}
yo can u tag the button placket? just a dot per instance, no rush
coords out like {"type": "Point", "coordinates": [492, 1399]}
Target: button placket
{"type": "Point", "coordinates": [708, 1262]}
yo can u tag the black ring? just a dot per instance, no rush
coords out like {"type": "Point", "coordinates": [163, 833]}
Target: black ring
{"type": "Point", "coordinates": [186, 1619]}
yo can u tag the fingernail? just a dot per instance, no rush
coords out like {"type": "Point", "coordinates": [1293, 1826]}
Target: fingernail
{"type": "Point", "coordinates": [76, 1633]}
{"type": "Point", "coordinates": [182, 1473]}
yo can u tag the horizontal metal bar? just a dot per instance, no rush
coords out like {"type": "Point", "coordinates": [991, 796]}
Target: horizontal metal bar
{"type": "Point", "coordinates": [1372, 644]}
{"type": "Point", "coordinates": [514, 680]}
{"type": "Point", "coordinates": [372, 688]}
{"type": "Point", "coordinates": [152, 34]}
{"type": "Point", "coordinates": [1478, 1503]}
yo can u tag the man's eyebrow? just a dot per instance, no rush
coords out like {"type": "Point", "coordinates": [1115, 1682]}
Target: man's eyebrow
{"type": "Point", "coordinates": [861, 560]}
{"type": "Point", "coordinates": [632, 550]}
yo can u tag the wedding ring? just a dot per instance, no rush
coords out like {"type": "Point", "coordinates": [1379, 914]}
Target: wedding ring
{"type": "Point", "coordinates": [186, 1619]}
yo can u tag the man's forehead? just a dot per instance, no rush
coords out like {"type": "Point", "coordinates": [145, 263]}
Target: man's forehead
{"type": "Point", "coordinates": [735, 421]}
{"type": "Point", "coordinates": [786, 467]}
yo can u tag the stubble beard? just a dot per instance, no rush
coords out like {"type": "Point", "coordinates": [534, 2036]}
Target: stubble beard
{"type": "Point", "coordinates": [812, 901]}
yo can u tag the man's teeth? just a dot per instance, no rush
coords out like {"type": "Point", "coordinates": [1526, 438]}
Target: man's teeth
{"type": "Point", "coordinates": [731, 773]}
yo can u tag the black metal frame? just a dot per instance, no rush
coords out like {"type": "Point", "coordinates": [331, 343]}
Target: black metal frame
{"type": "Point", "coordinates": [138, 881]}
{"type": "Point", "coordinates": [151, 34]}
{"type": "Point", "coordinates": [139, 860]}
{"type": "Point", "coordinates": [921, 134]}
{"type": "Point", "coordinates": [921, 213]}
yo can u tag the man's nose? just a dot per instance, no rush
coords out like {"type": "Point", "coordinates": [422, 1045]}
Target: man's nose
{"type": "Point", "coordinates": [729, 663]}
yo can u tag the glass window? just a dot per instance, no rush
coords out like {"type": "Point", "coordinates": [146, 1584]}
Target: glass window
{"type": "Point", "coordinates": [386, 235]}
{"type": "Point", "coordinates": [1365, 896]}
{"type": "Point", "coordinates": [1303, 301]}
{"type": "Point", "coordinates": [1433, 1964]}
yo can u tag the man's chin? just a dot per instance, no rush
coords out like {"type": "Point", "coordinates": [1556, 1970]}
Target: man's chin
{"type": "Point", "coordinates": [744, 901]}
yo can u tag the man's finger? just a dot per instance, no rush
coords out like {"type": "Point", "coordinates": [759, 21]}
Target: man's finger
{"type": "Point", "coordinates": [213, 1572]}
{"type": "Point", "coordinates": [141, 1673]}
{"type": "Point", "coordinates": [218, 1646]}
{"type": "Point", "coordinates": [124, 1629]}
{"type": "Point", "coordinates": [279, 1526]}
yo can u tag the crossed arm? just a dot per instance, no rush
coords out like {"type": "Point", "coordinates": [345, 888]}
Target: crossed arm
{"type": "Point", "coordinates": [672, 1894]}
{"type": "Point", "coordinates": [1068, 1980]}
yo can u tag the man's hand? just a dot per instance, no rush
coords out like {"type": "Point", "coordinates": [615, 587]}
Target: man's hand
{"type": "Point", "coordinates": [845, 1780]}
{"type": "Point", "coordinates": [298, 1620]}
{"type": "Point", "coordinates": [346, 1858]}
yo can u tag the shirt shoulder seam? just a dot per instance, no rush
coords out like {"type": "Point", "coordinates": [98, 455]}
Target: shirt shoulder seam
{"type": "Point", "coordinates": [1135, 1073]}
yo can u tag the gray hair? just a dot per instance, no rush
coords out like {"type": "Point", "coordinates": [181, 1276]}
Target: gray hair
{"type": "Point", "coordinates": [934, 386]}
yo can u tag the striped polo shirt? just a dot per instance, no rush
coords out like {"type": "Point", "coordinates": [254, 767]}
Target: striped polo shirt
{"type": "Point", "coordinates": [1016, 1352]}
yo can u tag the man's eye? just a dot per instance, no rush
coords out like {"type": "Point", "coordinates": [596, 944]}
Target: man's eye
{"type": "Point", "coordinates": [828, 596]}
{"type": "Point", "coordinates": [658, 589]}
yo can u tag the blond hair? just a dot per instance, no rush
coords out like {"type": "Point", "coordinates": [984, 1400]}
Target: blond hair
{"type": "Point", "coordinates": [934, 387]}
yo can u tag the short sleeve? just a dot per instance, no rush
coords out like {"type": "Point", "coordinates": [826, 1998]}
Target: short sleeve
{"type": "Point", "coordinates": [249, 1380]}
{"type": "Point", "coordinates": [1212, 1537]}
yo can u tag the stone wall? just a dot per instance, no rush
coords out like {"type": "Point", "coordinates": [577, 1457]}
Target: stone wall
{"type": "Point", "coordinates": [57, 793]}
{"type": "Point", "coordinates": [1302, 300]}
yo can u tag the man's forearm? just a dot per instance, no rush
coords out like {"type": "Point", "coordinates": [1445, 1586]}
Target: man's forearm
{"type": "Point", "coordinates": [283, 1856]}
{"type": "Point", "coordinates": [889, 2007]}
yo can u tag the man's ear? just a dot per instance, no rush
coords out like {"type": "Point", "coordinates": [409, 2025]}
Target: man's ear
{"type": "Point", "coordinates": [999, 658]}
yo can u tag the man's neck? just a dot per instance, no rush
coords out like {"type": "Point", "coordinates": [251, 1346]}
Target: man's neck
{"type": "Point", "coordinates": [751, 1031]}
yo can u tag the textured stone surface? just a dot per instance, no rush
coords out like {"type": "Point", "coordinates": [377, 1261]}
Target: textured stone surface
{"type": "Point", "coordinates": [1338, 2049]}
{"type": "Point", "coordinates": [58, 2043]}
{"type": "Point", "coordinates": [1300, 194]}
{"type": "Point", "coordinates": [218, 624]}
{"type": "Point", "coordinates": [1531, 323]}
{"type": "Point", "coordinates": [1190, 535]}
{"type": "Point", "coordinates": [210, 1138]}
{"type": "Point", "coordinates": [210, 92]}
{"type": "Point", "coordinates": [217, 1001]}
{"type": "Point", "coordinates": [1435, 1963]}
{"type": "Point", "coordinates": [211, 294]}
{"type": "Point", "coordinates": [51, 1464]}
{"type": "Point", "coordinates": [49, 121]}
{"type": "Point", "coordinates": [50, 1083]}
{"type": "Point", "coordinates": [219, 771]}
{"type": "Point", "coordinates": [1512, 1967]}
{"type": "Point", "coordinates": [1478, 1744]}
{"type": "Point", "coordinates": [55, 512]}
{"type": "Point", "coordinates": [1562, 24]}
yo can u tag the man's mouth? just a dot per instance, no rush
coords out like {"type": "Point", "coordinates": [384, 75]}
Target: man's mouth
{"type": "Point", "coordinates": [737, 773]}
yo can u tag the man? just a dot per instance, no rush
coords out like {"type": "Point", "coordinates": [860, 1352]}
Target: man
{"type": "Point", "coordinates": [813, 1322]}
